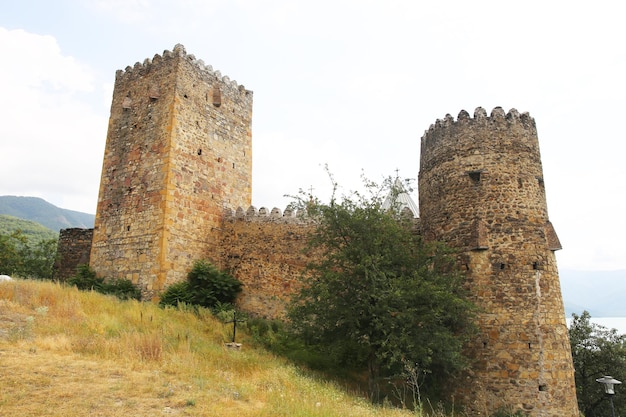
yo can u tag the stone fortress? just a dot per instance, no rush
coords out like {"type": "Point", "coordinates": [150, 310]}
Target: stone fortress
{"type": "Point", "coordinates": [176, 187]}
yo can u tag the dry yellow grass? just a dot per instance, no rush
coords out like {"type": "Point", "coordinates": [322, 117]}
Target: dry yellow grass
{"type": "Point", "coordinates": [70, 353]}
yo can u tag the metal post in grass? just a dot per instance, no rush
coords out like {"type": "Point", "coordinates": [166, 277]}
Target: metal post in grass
{"type": "Point", "coordinates": [234, 321]}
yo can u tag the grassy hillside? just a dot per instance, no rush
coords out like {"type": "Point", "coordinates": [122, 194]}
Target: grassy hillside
{"type": "Point", "coordinates": [69, 353]}
{"type": "Point", "coordinates": [42, 212]}
{"type": "Point", "coordinates": [34, 231]}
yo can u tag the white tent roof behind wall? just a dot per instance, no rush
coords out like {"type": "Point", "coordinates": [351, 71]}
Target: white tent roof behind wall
{"type": "Point", "coordinates": [402, 199]}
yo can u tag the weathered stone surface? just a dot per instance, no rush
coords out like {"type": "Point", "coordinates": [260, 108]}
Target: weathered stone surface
{"type": "Point", "coordinates": [482, 192]}
{"type": "Point", "coordinates": [72, 250]}
{"type": "Point", "coordinates": [178, 149]}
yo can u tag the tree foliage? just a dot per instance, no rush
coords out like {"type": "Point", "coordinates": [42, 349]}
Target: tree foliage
{"type": "Point", "coordinates": [597, 351]}
{"type": "Point", "coordinates": [27, 257]}
{"type": "Point", "coordinates": [376, 295]}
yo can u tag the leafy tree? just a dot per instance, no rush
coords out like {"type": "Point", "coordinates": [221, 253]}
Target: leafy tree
{"type": "Point", "coordinates": [597, 351]}
{"type": "Point", "coordinates": [11, 250]}
{"type": "Point", "coordinates": [376, 295]}
{"type": "Point", "coordinates": [39, 259]}
{"type": "Point", "coordinates": [27, 257]}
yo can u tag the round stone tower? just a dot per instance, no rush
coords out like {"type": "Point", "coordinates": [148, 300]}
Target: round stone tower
{"type": "Point", "coordinates": [482, 192]}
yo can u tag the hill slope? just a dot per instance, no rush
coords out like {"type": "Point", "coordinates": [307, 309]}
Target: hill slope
{"type": "Point", "coordinates": [71, 353]}
{"type": "Point", "coordinates": [42, 212]}
{"type": "Point", "coordinates": [34, 231]}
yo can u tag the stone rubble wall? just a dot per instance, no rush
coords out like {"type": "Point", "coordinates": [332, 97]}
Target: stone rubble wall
{"type": "Point", "coordinates": [482, 192]}
{"type": "Point", "coordinates": [265, 250]}
{"type": "Point", "coordinates": [178, 149]}
{"type": "Point", "coordinates": [73, 250]}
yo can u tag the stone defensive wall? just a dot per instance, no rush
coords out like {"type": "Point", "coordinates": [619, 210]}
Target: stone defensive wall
{"type": "Point", "coordinates": [266, 250]}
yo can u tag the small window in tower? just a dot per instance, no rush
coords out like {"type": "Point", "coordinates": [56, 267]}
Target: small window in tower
{"type": "Point", "coordinates": [543, 387]}
{"type": "Point", "coordinates": [199, 151]}
{"type": "Point", "coordinates": [475, 176]}
{"type": "Point", "coordinates": [233, 165]}
{"type": "Point", "coordinates": [217, 97]}
{"type": "Point", "coordinates": [502, 266]}
{"type": "Point", "coordinates": [535, 265]}
{"type": "Point", "coordinates": [128, 228]}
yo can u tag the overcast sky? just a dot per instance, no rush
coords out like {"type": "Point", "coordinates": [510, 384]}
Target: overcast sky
{"type": "Point", "coordinates": [349, 83]}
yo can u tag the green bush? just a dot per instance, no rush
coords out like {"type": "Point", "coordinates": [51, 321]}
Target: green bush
{"type": "Point", "coordinates": [86, 279]}
{"type": "Point", "coordinates": [175, 294]}
{"type": "Point", "coordinates": [209, 286]}
{"type": "Point", "coordinates": [206, 286]}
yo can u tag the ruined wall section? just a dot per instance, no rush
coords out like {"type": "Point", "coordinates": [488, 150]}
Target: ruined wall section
{"type": "Point", "coordinates": [73, 250]}
{"type": "Point", "coordinates": [482, 192]}
{"type": "Point", "coordinates": [178, 148]}
{"type": "Point", "coordinates": [265, 250]}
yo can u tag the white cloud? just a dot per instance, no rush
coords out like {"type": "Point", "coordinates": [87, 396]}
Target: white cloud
{"type": "Point", "coordinates": [48, 148]}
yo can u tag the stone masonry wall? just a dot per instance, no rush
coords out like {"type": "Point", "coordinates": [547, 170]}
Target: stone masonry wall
{"type": "Point", "coordinates": [178, 148]}
{"type": "Point", "coordinates": [265, 251]}
{"type": "Point", "coordinates": [482, 192]}
{"type": "Point", "coordinates": [72, 250]}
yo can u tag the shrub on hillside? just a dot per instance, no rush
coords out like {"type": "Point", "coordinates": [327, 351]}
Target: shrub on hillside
{"type": "Point", "coordinates": [176, 294]}
{"type": "Point", "coordinates": [206, 286]}
{"type": "Point", "coordinates": [86, 279]}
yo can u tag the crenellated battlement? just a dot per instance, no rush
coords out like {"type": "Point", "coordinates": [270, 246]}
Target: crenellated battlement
{"type": "Point", "coordinates": [496, 121]}
{"type": "Point", "coordinates": [266, 215]}
{"type": "Point", "coordinates": [179, 52]}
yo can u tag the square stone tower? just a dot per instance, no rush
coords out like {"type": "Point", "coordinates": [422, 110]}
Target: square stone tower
{"type": "Point", "coordinates": [178, 149]}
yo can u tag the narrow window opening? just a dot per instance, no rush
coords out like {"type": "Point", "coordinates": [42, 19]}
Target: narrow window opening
{"type": "Point", "coordinates": [502, 266]}
{"type": "Point", "coordinates": [233, 165]}
{"type": "Point", "coordinates": [199, 151]}
{"type": "Point", "coordinates": [543, 387]}
{"type": "Point", "coordinates": [484, 344]}
{"type": "Point", "coordinates": [128, 228]}
{"type": "Point", "coordinates": [530, 346]}
{"type": "Point", "coordinates": [535, 265]}
{"type": "Point", "coordinates": [217, 97]}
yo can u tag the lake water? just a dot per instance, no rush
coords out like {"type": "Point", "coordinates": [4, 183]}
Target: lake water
{"type": "Point", "coordinates": [618, 323]}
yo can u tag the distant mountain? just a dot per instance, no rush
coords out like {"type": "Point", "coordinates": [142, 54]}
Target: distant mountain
{"type": "Point", "coordinates": [34, 231]}
{"type": "Point", "coordinates": [601, 293]}
{"type": "Point", "coordinates": [44, 213]}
